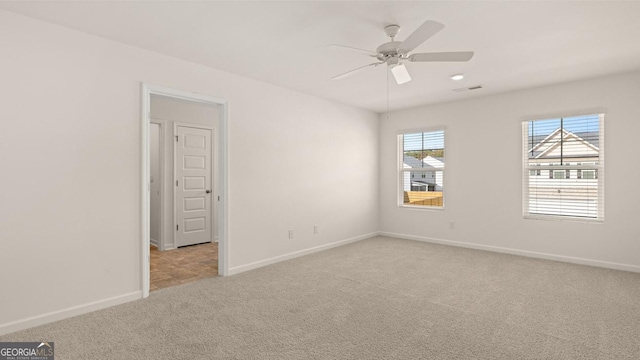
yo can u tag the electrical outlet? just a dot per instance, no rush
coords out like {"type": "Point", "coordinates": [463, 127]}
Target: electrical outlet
{"type": "Point", "coordinates": [290, 234]}
{"type": "Point", "coordinates": [316, 229]}
{"type": "Point", "coordinates": [452, 225]}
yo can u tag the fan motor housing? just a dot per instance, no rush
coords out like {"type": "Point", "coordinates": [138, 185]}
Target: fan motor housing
{"type": "Point", "coordinates": [390, 49]}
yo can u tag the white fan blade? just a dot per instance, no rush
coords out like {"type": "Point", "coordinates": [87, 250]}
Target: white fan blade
{"type": "Point", "coordinates": [401, 74]}
{"type": "Point", "coordinates": [349, 48]}
{"type": "Point", "coordinates": [351, 72]}
{"type": "Point", "coordinates": [442, 56]}
{"type": "Point", "coordinates": [424, 32]}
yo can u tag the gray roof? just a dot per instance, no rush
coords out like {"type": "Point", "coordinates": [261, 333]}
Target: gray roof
{"type": "Point", "coordinates": [416, 163]}
{"type": "Point", "coordinates": [592, 137]}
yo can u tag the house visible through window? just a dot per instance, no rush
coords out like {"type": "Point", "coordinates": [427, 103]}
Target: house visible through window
{"type": "Point", "coordinates": [570, 151]}
{"type": "Point", "coordinates": [421, 168]}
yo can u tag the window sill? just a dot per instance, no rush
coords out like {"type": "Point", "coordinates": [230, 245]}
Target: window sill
{"type": "Point", "coordinates": [563, 218]}
{"type": "Point", "coordinates": [421, 208]}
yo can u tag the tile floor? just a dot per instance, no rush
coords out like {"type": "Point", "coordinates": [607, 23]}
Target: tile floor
{"type": "Point", "coordinates": [183, 265]}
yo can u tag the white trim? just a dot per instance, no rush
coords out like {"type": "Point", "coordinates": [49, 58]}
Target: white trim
{"type": "Point", "coordinates": [145, 211]}
{"type": "Point", "coordinates": [531, 254]}
{"type": "Point", "coordinates": [191, 125]}
{"type": "Point", "coordinates": [184, 95]}
{"type": "Point", "coordinates": [161, 244]}
{"type": "Point", "coordinates": [533, 216]}
{"type": "Point", "coordinates": [421, 207]}
{"type": "Point", "coordinates": [68, 312]}
{"type": "Point", "coordinates": [254, 265]}
{"type": "Point", "coordinates": [146, 91]}
{"type": "Point", "coordinates": [155, 242]}
{"type": "Point", "coordinates": [223, 191]}
{"type": "Point", "coordinates": [556, 145]}
{"type": "Point", "coordinates": [602, 162]}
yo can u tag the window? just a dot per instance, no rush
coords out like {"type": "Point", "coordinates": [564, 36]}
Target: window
{"type": "Point", "coordinates": [558, 174]}
{"type": "Point", "coordinates": [589, 174]}
{"type": "Point", "coordinates": [536, 172]}
{"type": "Point", "coordinates": [421, 168]}
{"type": "Point", "coordinates": [571, 149]}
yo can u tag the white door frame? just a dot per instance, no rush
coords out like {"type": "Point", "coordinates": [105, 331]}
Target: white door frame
{"type": "Point", "coordinates": [222, 176]}
{"type": "Point", "coordinates": [214, 193]}
{"type": "Point", "coordinates": [161, 124]}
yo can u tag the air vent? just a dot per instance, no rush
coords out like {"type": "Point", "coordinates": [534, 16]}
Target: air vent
{"type": "Point", "coordinates": [476, 87]}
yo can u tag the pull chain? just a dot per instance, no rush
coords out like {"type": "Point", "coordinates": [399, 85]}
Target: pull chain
{"type": "Point", "coordinates": [387, 93]}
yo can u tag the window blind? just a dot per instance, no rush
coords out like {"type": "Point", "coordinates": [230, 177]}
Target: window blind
{"type": "Point", "coordinates": [564, 167]}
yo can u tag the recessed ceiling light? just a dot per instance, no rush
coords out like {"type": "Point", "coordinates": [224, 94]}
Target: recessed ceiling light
{"type": "Point", "coordinates": [457, 77]}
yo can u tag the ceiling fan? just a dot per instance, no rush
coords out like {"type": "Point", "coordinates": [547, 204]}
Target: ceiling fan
{"type": "Point", "coordinates": [394, 53]}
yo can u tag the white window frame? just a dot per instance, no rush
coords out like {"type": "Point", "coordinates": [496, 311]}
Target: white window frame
{"type": "Point", "coordinates": [562, 173]}
{"type": "Point", "coordinates": [589, 171]}
{"type": "Point", "coordinates": [402, 170]}
{"type": "Point", "coordinates": [599, 168]}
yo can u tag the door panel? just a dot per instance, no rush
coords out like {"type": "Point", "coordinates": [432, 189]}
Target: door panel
{"type": "Point", "coordinates": [194, 162]}
{"type": "Point", "coordinates": [191, 204]}
{"type": "Point", "coordinates": [193, 190]}
{"type": "Point", "coordinates": [193, 183]}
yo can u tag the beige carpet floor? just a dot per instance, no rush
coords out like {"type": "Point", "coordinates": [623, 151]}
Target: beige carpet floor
{"type": "Point", "coordinates": [379, 298]}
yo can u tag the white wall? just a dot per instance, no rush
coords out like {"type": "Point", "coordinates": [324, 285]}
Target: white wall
{"type": "Point", "coordinates": [70, 155]}
{"type": "Point", "coordinates": [168, 111]}
{"type": "Point", "coordinates": [155, 181]}
{"type": "Point", "coordinates": [483, 180]}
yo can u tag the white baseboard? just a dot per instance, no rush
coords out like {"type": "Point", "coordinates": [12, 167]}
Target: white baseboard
{"type": "Point", "coordinates": [254, 265]}
{"type": "Point", "coordinates": [68, 312]}
{"type": "Point", "coordinates": [155, 243]}
{"type": "Point", "coordinates": [532, 254]}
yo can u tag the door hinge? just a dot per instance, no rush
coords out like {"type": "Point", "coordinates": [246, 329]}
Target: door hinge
{"type": "Point", "coordinates": [176, 138]}
{"type": "Point", "coordinates": [218, 198]}
{"type": "Point", "coordinates": [177, 227]}
{"type": "Point", "coordinates": [176, 182]}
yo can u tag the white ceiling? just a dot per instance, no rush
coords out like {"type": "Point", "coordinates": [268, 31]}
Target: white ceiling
{"type": "Point", "coordinates": [517, 44]}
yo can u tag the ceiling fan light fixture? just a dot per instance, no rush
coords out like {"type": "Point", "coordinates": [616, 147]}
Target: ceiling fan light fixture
{"type": "Point", "coordinates": [400, 73]}
{"type": "Point", "coordinates": [393, 52]}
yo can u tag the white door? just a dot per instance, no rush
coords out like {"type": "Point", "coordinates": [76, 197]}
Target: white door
{"type": "Point", "coordinates": [193, 187]}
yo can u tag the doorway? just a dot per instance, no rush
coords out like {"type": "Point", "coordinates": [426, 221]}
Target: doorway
{"type": "Point", "coordinates": [193, 211]}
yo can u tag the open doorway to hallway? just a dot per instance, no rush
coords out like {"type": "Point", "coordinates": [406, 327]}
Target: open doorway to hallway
{"type": "Point", "coordinates": [181, 137]}
{"type": "Point", "coordinates": [185, 184]}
